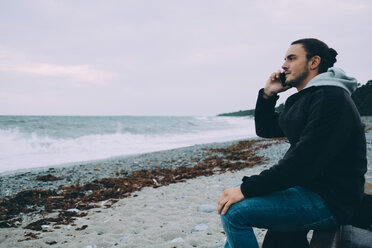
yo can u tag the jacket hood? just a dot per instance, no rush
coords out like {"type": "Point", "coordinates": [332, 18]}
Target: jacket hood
{"type": "Point", "coordinates": [334, 77]}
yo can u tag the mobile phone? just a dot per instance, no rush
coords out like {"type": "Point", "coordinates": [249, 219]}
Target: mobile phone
{"type": "Point", "coordinates": [282, 79]}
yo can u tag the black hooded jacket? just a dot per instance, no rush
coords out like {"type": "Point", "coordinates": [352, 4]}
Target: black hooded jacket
{"type": "Point", "coordinates": [327, 153]}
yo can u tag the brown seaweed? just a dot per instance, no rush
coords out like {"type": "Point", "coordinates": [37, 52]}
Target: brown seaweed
{"type": "Point", "coordinates": [81, 228]}
{"type": "Point", "coordinates": [30, 236]}
{"type": "Point", "coordinates": [47, 178]}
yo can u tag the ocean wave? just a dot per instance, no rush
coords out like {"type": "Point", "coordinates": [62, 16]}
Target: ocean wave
{"type": "Point", "coordinates": [20, 150]}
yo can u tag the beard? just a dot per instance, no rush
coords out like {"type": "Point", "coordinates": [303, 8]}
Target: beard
{"type": "Point", "coordinates": [294, 82]}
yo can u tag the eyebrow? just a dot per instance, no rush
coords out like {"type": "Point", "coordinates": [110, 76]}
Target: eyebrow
{"type": "Point", "coordinates": [290, 56]}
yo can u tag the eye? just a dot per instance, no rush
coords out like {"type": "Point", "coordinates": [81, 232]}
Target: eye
{"type": "Point", "coordinates": [289, 58]}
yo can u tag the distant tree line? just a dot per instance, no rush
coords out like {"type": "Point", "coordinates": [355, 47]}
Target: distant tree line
{"type": "Point", "coordinates": [362, 98]}
{"type": "Point", "coordinates": [239, 113]}
{"type": "Point", "coordinates": [249, 112]}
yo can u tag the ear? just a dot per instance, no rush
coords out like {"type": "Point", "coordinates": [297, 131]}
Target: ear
{"type": "Point", "coordinates": [315, 62]}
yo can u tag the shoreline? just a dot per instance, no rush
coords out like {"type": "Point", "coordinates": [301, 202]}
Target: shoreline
{"type": "Point", "coordinates": [111, 159]}
{"type": "Point", "coordinates": [46, 141]}
{"type": "Point", "coordinates": [87, 171]}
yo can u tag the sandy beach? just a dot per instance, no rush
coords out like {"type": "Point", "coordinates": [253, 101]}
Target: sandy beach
{"type": "Point", "coordinates": [182, 214]}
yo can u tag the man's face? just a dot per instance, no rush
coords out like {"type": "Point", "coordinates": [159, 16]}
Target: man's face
{"type": "Point", "coordinates": [295, 65]}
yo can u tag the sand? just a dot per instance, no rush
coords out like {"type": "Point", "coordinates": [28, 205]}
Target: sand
{"type": "Point", "coordinates": [178, 215]}
{"type": "Point", "coordinates": [163, 217]}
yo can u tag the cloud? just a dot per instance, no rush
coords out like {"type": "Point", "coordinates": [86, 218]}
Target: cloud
{"type": "Point", "coordinates": [79, 72]}
{"type": "Point", "coordinates": [85, 73]}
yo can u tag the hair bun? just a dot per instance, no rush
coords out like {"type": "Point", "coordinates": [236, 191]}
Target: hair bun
{"type": "Point", "coordinates": [332, 56]}
{"type": "Point", "coordinates": [332, 52]}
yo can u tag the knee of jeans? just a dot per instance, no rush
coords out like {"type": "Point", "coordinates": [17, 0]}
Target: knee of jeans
{"type": "Point", "coordinates": [234, 216]}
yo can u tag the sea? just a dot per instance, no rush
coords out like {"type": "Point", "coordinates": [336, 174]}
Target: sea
{"type": "Point", "coordinates": [40, 141]}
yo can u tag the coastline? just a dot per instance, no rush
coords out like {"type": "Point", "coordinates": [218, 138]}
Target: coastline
{"type": "Point", "coordinates": [83, 172]}
{"type": "Point", "coordinates": [180, 214]}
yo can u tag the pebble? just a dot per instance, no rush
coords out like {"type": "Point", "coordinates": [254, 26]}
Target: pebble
{"type": "Point", "coordinates": [207, 208]}
{"type": "Point", "coordinates": [221, 243]}
{"type": "Point", "coordinates": [178, 240]}
{"type": "Point", "coordinates": [199, 227]}
{"type": "Point", "coordinates": [124, 240]}
{"type": "Point", "coordinates": [73, 210]}
{"type": "Point", "coordinates": [45, 227]}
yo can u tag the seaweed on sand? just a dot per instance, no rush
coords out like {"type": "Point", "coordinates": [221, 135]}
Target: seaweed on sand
{"type": "Point", "coordinates": [71, 200]}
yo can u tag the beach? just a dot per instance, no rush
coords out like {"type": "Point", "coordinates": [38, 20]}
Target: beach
{"type": "Point", "coordinates": [181, 212]}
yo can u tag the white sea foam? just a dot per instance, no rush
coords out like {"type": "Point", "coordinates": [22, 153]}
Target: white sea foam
{"type": "Point", "coordinates": [22, 150]}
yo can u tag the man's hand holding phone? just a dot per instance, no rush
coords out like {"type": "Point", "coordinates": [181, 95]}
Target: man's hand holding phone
{"type": "Point", "coordinates": [275, 84]}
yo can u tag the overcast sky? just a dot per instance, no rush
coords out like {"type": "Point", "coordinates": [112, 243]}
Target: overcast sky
{"type": "Point", "coordinates": [169, 57]}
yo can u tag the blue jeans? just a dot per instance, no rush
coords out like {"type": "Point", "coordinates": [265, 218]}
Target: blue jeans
{"type": "Point", "coordinates": [293, 209]}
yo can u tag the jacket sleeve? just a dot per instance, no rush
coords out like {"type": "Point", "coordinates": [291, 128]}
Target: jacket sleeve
{"type": "Point", "coordinates": [328, 128]}
{"type": "Point", "coordinates": [265, 117]}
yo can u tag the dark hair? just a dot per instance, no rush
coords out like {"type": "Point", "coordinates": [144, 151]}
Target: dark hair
{"type": "Point", "coordinates": [315, 47]}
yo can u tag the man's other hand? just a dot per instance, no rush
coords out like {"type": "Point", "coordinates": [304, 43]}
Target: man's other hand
{"type": "Point", "coordinates": [229, 197]}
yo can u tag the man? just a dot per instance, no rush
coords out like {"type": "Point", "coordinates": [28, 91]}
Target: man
{"type": "Point", "coordinates": [320, 180]}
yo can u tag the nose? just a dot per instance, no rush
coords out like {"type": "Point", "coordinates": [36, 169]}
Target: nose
{"type": "Point", "coordinates": [285, 66]}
